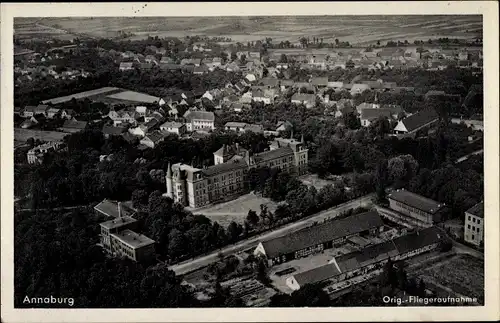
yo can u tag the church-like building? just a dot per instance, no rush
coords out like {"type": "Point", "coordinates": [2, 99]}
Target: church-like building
{"type": "Point", "coordinates": [227, 178]}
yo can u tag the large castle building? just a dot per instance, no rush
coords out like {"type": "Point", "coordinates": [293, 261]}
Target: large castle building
{"type": "Point", "coordinates": [227, 178]}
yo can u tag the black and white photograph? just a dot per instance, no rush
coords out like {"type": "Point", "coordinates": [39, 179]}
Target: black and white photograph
{"type": "Point", "coordinates": [250, 161]}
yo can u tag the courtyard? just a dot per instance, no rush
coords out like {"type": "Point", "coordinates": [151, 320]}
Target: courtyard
{"type": "Point", "coordinates": [235, 210]}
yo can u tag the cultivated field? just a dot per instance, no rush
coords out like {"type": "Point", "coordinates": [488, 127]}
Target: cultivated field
{"type": "Point", "coordinates": [236, 210]}
{"type": "Point", "coordinates": [463, 274]}
{"type": "Point", "coordinates": [358, 30]}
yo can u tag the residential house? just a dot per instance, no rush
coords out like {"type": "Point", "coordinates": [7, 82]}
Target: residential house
{"type": "Point", "coordinates": [68, 114]}
{"type": "Point", "coordinates": [174, 127]}
{"type": "Point", "coordinates": [309, 100]}
{"type": "Point", "coordinates": [286, 84]}
{"type": "Point", "coordinates": [283, 125]}
{"type": "Point", "coordinates": [199, 70]}
{"type": "Point", "coordinates": [152, 139]}
{"type": "Point", "coordinates": [196, 120]}
{"type": "Point", "coordinates": [260, 96]}
{"type": "Point", "coordinates": [35, 155]}
{"type": "Point", "coordinates": [359, 88]}
{"type": "Point", "coordinates": [141, 111]}
{"type": "Point", "coordinates": [421, 120]}
{"type": "Point", "coordinates": [191, 61]}
{"type": "Point", "coordinates": [122, 116]}
{"type": "Point", "coordinates": [126, 66]}
{"type": "Point", "coordinates": [52, 112]}
{"type": "Point", "coordinates": [369, 115]}
{"type": "Point", "coordinates": [151, 59]}
{"type": "Point", "coordinates": [109, 131]}
{"type": "Point", "coordinates": [41, 109]}
{"type": "Point", "coordinates": [29, 111]}
{"type": "Point", "coordinates": [474, 224]}
{"type": "Point", "coordinates": [319, 82]}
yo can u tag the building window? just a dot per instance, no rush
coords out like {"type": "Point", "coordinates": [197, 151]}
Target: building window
{"type": "Point", "coordinates": [474, 220]}
{"type": "Point", "coordinates": [478, 221]}
{"type": "Point", "coordinates": [472, 237]}
{"type": "Point", "coordinates": [469, 217]}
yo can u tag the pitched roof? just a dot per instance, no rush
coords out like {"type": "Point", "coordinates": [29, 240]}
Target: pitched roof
{"type": "Point", "coordinates": [317, 275]}
{"type": "Point", "coordinates": [419, 119]}
{"type": "Point", "coordinates": [477, 210]}
{"type": "Point", "coordinates": [321, 233]}
{"type": "Point", "coordinates": [110, 208]}
{"type": "Point", "coordinates": [417, 201]}
{"type": "Point", "coordinates": [417, 240]}
{"type": "Point", "coordinates": [366, 256]}
{"type": "Point", "coordinates": [302, 97]}
{"type": "Point", "coordinates": [200, 115]}
{"type": "Point", "coordinates": [224, 167]}
{"type": "Point", "coordinates": [319, 81]}
{"type": "Point", "coordinates": [232, 124]}
{"type": "Point", "coordinates": [155, 136]}
{"type": "Point", "coordinates": [269, 81]}
{"type": "Point", "coordinates": [171, 124]}
{"type": "Point", "coordinates": [272, 154]}
{"type": "Point", "coordinates": [374, 113]}
{"type": "Point", "coordinates": [110, 130]}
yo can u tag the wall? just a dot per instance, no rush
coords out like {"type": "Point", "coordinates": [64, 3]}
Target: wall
{"type": "Point", "coordinates": [420, 216]}
{"type": "Point", "coordinates": [469, 232]}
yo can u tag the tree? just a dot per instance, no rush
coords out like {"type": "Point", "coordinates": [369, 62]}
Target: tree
{"type": "Point", "coordinates": [139, 198]}
{"type": "Point", "coordinates": [234, 230]}
{"type": "Point", "coordinates": [252, 218]}
{"type": "Point", "coordinates": [351, 121]}
{"type": "Point", "coordinates": [397, 170]}
{"type": "Point", "coordinates": [381, 179]}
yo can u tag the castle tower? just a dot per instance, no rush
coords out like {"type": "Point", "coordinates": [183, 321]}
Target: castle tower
{"type": "Point", "coordinates": [375, 104]}
{"type": "Point", "coordinates": [169, 182]}
{"type": "Point", "coordinates": [180, 187]}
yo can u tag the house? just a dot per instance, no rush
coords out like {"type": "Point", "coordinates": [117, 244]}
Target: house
{"type": "Point", "coordinates": [319, 82]}
{"type": "Point", "coordinates": [126, 66]}
{"type": "Point", "coordinates": [283, 125]}
{"type": "Point", "coordinates": [122, 116]}
{"type": "Point", "coordinates": [416, 209]}
{"type": "Point", "coordinates": [474, 224]}
{"type": "Point", "coordinates": [319, 237]}
{"type": "Point", "coordinates": [369, 115]}
{"type": "Point", "coordinates": [191, 61]}
{"type": "Point", "coordinates": [170, 66]}
{"type": "Point", "coordinates": [335, 85]}
{"type": "Point", "coordinates": [260, 96]}
{"type": "Point", "coordinates": [269, 82]}
{"type": "Point", "coordinates": [174, 127]}
{"type": "Point", "coordinates": [141, 111]}
{"type": "Point", "coordinates": [35, 155]}
{"type": "Point", "coordinates": [68, 114]}
{"type": "Point", "coordinates": [72, 126]}
{"type": "Point", "coordinates": [309, 100]}
{"type": "Point", "coordinates": [196, 120]}
{"type": "Point", "coordinates": [199, 70]}
{"type": "Point", "coordinates": [358, 88]}
{"type": "Point", "coordinates": [421, 120]}
{"type": "Point", "coordinates": [52, 112]}
{"type": "Point", "coordinates": [152, 139]}
{"type": "Point", "coordinates": [151, 59]}
{"type": "Point", "coordinates": [234, 126]}
{"type": "Point", "coordinates": [374, 85]}
{"type": "Point", "coordinates": [29, 111]}
{"type": "Point", "coordinates": [109, 131]}
{"type": "Point", "coordinates": [41, 109]}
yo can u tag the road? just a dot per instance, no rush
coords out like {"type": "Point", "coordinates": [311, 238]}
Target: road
{"type": "Point", "coordinates": [200, 262]}
{"type": "Point", "coordinates": [461, 159]}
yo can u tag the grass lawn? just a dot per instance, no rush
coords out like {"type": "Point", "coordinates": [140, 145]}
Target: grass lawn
{"type": "Point", "coordinates": [464, 274]}
{"type": "Point", "coordinates": [314, 180]}
{"type": "Point", "coordinates": [236, 210]}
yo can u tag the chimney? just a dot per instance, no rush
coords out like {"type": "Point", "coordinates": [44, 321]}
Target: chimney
{"type": "Point", "coordinates": [119, 210]}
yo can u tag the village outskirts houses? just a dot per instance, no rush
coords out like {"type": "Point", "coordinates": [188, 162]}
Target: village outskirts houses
{"type": "Point", "coordinates": [177, 128]}
{"type": "Point", "coordinates": [308, 100]}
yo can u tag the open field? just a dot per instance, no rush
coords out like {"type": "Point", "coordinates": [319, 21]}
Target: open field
{"type": "Point", "coordinates": [21, 135]}
{"type": "Point", "coordinates": [463, 274]}
{"type": "Point", "coordinates": [358, 30]}
{"type": "Point", "coordinates": [236, 210]}
{"type": "Point", "coordinates": [110, 95]}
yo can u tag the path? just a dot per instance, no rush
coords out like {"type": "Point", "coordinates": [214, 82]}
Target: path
{"type": "Point", "coordinates": [461, 159]}
{"type": "Point", "coordinates": [54, 209]}
{"type": "Point", "coordinates": [203, 261]}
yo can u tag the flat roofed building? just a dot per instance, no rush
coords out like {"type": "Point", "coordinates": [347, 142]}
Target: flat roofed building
{"type": "Point", "coordinates": [419, 210]}
{"type": "Point", "coordinates": [474, 224]}
{"type": "Point", "coordinates": [113, 226]}
{"type": "Point", "coordinates": [132, 245]}
{"type": "Point", "coordinates": [319, 237]}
